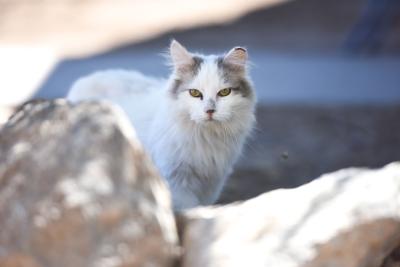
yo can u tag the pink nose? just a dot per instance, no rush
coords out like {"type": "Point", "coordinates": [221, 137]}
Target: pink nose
{"type": "Point", "coordinates": [210, 111]}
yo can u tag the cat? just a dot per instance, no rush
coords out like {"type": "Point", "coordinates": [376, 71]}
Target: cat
{"type": "Point", "coordinates": [194, 124]}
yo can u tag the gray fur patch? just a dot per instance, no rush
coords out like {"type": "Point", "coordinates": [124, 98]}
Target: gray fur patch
{"type": "Point", "coordinates": [226, 67]}
{"type": "Point", "coordinates": [186, 73]}
{"type": "Point", "coordinates": [220, 62]}
{"type": "Point", "coordinates": [196, 65]}
{"type": "Point", "coordinates": [244, 88]}
{"type": "Point", "coordinates": [175, 87]}
{"type": "Point", "coordinates": [234, 74]}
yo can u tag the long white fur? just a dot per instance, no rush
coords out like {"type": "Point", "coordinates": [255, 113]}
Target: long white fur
{"type": "Point", "coordinates": [195, 155]}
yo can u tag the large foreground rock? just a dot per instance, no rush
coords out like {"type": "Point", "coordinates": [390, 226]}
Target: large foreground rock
{"type": "Point", "coordinates": [349, 218]}
{"type": "Point", "coordinates": [76, 189]}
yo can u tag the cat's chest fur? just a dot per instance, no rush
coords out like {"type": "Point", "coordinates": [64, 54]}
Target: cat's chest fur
{"type": "Point", "coordinates": [195, 160]}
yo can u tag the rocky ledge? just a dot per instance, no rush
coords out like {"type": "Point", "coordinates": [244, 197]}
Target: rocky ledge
{"type": "Point", "coordinates": [77, 189]}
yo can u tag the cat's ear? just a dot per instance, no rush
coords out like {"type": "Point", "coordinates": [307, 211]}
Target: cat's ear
{"type": "Point", "coordinates": [237, 58]}
{"type": "Point", "coordinates": [181, 58]}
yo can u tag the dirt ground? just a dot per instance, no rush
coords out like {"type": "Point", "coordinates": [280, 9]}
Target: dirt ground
{"type": "Point", "coordinates": [294, 144]}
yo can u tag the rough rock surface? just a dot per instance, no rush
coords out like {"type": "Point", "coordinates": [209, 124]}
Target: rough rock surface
{"type": "Point", "coordinates": [76, 189]}
{"type": "Point", "coordinates": [349, 218]}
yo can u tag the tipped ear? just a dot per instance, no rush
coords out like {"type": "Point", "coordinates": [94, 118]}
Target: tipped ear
{"type": "Point", "coordinates": [236, 57]}
{"type": "Point", "coordinates": [180, 56]}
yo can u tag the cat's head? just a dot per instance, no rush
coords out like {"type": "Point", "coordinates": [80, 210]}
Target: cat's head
{"type": "Point", "coordinates": [208, 89]}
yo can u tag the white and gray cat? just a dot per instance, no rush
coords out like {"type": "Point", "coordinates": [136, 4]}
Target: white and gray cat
{"type": "Point", "coordinates": [194, 124]}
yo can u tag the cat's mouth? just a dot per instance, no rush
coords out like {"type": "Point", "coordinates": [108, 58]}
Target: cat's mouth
{"type": "Point", "coordinates": [211, 121]}
{"type": "Point", "coordinates": [207, 119]}
{"type": "Point", "coordinates": [210, 118]}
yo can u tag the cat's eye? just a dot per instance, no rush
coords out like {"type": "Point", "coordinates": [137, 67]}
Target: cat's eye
{"type": "Point", "coordinates": [224, 92]}
{"type": "Point", "coordinates": [195, 93]}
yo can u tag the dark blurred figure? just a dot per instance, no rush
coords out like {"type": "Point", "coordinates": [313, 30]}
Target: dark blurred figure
{"type": "Point", "coordinates": [369, 34]}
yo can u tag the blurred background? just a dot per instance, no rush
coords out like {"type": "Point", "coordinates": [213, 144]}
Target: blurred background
{"type": "Point", "coordinates": [327, 72]}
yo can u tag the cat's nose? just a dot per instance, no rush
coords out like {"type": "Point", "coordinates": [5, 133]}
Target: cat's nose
{"type": "Point", "coordinates": [210, 111]}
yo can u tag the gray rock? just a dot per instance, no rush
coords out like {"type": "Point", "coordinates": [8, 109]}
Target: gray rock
{"type": "Point", "coordinates": [349, 218]}
{"type": "Point", "coordinates": [76, 189]}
